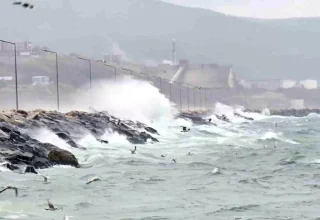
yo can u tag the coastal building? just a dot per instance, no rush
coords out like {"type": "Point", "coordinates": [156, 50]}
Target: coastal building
{"type": "Point", "coordinates": [286, 84]}
{"type": "Point", "coordinates": [207, 75]}
{"type": "Point", "coordinates": [304, 84]}
{"type": "Point", "coordinates": [309, 84]}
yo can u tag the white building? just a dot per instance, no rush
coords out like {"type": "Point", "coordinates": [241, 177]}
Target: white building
{"type": "Point", "coordinates": [287, 84]}
{"type": "Point", "coordinates": [309, 84]}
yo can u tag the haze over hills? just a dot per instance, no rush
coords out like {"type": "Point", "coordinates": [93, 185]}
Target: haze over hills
{"type": "Point", "coordinates": [143, 30]}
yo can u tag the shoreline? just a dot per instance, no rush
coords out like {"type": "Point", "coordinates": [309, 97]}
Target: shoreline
{"type": "Point", "coordinates": [18, 148]}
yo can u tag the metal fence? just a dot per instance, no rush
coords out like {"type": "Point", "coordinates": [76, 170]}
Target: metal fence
{"type": "Point", "coordinates": [69, 74]}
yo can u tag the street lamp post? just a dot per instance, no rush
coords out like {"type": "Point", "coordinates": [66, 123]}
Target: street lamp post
{"type": "Point", "coordinates": [147, 75]}
{"type": "Point", "coordinates": [206, 98]}
{"type": "Point", "coordinates": [170, 92]}
{"type": "Point", "coordinates": [194, 99]}
{"type": "Point", "coordinates": [115, 71]}
{"type": "Point", "coordinates": [57, 71]}
{"type": "Point", "coordinates": [90, 75]}
{"type": "Point", "coordinates": [160, 84]}
{"type": "Point", "coordinates": [180, 97]}
{"type": "Point", "coordinates": [200, 98]}
{"type": "Point", "coordinates": [15, 70]}
{"type": "Point", "coordinates": [128, 70]}
{"type": "Point", "coordinates": [188, 98]}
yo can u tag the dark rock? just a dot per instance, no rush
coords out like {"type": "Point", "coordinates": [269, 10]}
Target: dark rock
{"type": "Point", "coordinates": [67, 139]}
{"type": "Point", "coordinates": [72, 144]}
{"type": "Point", "coordinates": [22, 112]}
{"type": "Point", "coordinates": [147, 136]}
{"type": "Point", "coordinates": [63, 157]}
{"type": "Point", "coordinates": [136, 140]}
{"type": "Point", "coordinates": [40, 162]}
{"type": "Point", "coordinates": [20, 159]}
{"type": "Point", "coordinates": [5, 129]}
{"type": "Point", "coordinates": [30, 169]}
{"type": "Point", "coordinates": [103, 141]}
{"type": "Point", "coordinates": [241, 116]}
{"type": "Point", "coordinates": [11, 166]}
{"type": "Point", "coordinates": [63, 136]}
{"type": "Point", "coordinates": [151, 130]}
{"type": "Point", "coordinates": [195, 118]}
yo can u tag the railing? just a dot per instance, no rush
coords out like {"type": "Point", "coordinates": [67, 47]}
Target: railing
{"type": "Point", "coordinates": [184, 96]}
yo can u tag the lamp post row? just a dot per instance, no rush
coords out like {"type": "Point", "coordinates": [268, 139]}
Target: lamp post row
{"type": "Point", "coordinates": [115, 78]}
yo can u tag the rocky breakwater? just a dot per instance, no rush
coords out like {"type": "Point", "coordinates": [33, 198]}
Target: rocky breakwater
{"type": "Point", "coordinates": [294, 112]}
{"type": "Point", "coordinates": [290, 112]}
{"type": "Point", "coordinates": [18, 148]}
{"type": "Point", "coordinates": [197, 117]}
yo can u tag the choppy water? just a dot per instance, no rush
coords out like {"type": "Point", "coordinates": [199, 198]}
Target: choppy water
{"type": "Point", "coordinates": [255, 182]}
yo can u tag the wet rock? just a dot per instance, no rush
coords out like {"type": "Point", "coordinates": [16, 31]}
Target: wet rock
{"type": "Point", "coordinates": [30, 169]}
{"type": "Point", "coordinates": [63, 157]}
{"type": "Point", "coordinates": [194, 117]}
{"type": "Point", "coordinates": [10, 166]}
{"type": "Point", "coordinates": [22, 112]}
{"type": "Point", "coordinates": [67, 139]}
{"type": "Point", "coordinates": [63, 136]}
{"type": "Point", "coordinates": [147, 136]}
{"type": "Point", "coordinates": [103, 141]}
{"type": "Point", "coordinates": [151, 130]}
{"type": "Point", "coordinates": [19, 158]}
{"type": "Point", "coordinates": [241, 116]}
{"type": "Point", "coordinates": [135, 140]}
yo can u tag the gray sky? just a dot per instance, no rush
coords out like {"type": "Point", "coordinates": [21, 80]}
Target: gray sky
{"type": "Point", "coordinates": [258, 8]}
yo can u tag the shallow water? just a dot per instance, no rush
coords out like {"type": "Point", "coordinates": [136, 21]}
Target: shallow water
{"type": "Point", "coordinates": [256, 182]}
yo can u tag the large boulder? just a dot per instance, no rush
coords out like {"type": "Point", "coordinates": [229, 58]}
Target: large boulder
{"type": "Point", "coordinates": [63, 157]}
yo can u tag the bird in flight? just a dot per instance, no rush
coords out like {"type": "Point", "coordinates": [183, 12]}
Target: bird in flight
{"type": "Point", "coordinates": [93, 179]}
{"type": "Point", "coordinates": [24, 4]}
{"type": "Point", "coordinates": [51, 207]}
{"type": "Point", "coordinates": [45, 179]}
{"type": "Point", "coordinates": [134, 151]}
{"type": "Point", "coordinates": [10, 187]}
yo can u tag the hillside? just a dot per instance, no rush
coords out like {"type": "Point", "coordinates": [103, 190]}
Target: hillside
{"type": "Point", "coordinates": [143, 29]}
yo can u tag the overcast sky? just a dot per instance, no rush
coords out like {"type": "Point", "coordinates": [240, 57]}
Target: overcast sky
{"type": "Point", "coordinates": [258, 8]}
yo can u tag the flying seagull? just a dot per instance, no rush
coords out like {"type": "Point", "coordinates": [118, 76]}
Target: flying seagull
{"type": "Point", "coordinates": [103, 61]}
{"type": "Point", "coordinates": [25, 5]}
{"type": "Point", "coordinates": [10, 187]}
{"type": "Point", "coordinates": [45, 179]}
{"type": "Point", "coordinates": [51, 207]}
{"type": "Point", "coordinates": [93, 179]}
{"type": "Point", "coordinates": [174, 160]}
{"type": "Point", "coordinates": [134, 151]}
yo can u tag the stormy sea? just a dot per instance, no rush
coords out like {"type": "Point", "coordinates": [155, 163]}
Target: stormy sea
{"type": "Point", "coordinates": [250, 166]}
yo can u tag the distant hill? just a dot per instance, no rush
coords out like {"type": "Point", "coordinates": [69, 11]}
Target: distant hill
{"type": "Point", "coordinates": [143, 29]}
